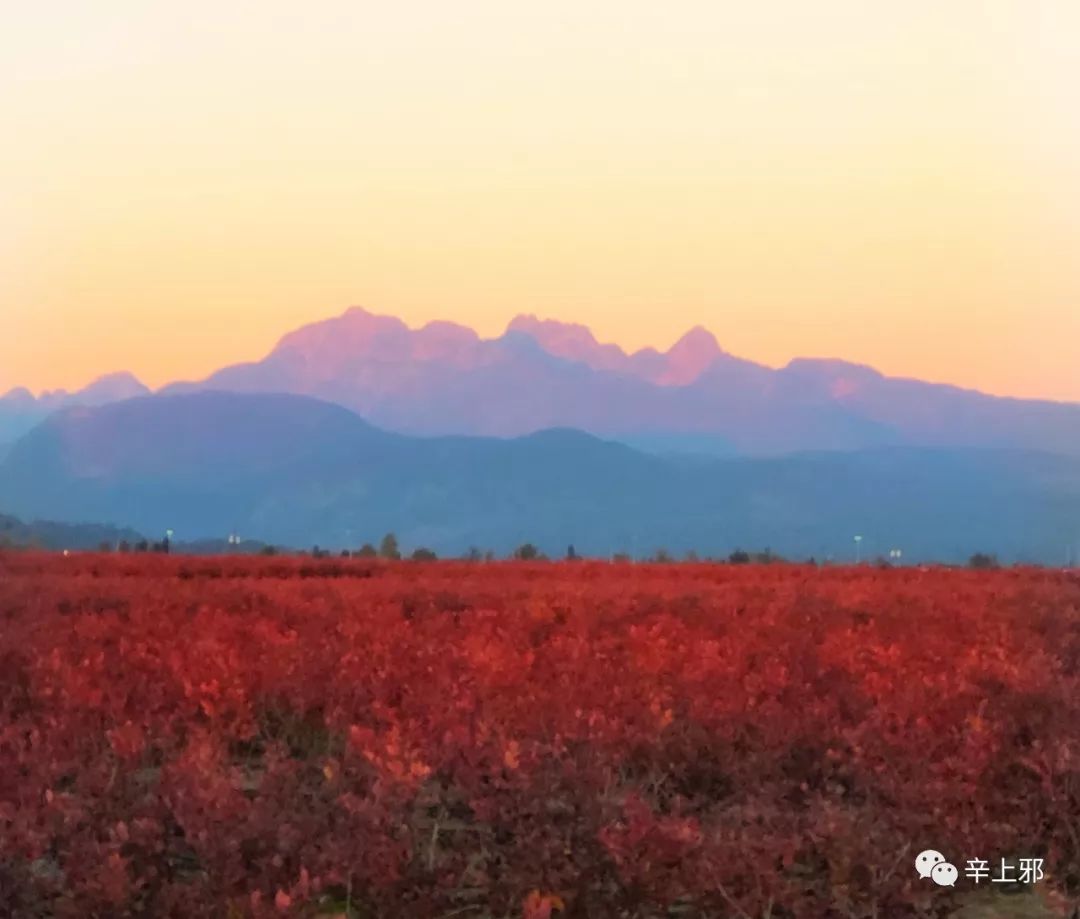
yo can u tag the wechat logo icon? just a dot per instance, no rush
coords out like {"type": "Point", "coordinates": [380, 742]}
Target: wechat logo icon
{"type": "Point", "coordinates": [931, 864]}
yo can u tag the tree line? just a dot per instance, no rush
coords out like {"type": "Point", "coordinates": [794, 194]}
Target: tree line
{"type": "Point", "coordinates": [390, 549]}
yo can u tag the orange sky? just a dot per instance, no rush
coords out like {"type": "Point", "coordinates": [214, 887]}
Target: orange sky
{"type": "Point", "coordinates": [893, 183]}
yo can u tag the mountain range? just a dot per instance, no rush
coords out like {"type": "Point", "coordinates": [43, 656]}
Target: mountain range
{"type": "Point", "coordinates": [445, 379]}
{"type": "Point", "coordinates": [298, 471]}
{"type": "Point", "coordinates": [695, 398]}
{"type": "Point", "coordinates": [358, 425]}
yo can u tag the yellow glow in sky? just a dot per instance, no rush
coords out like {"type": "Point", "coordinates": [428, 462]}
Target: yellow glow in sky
{"type": "Point", "coordinates": [892, 183]}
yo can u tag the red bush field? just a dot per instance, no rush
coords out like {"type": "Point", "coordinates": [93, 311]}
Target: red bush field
{"type": "Point", "coordinates": [260, 737]}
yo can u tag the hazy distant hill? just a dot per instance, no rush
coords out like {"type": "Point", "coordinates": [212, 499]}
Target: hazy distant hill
{"type": "Point", "coordinates": [20, 410]}
{"type": "Point", "coordinates": [48, 534]}
{"type": "Point", "coordinates": [292, 470]}
{"type": "Point", "coordinates": [91, 537]}
{"type": "Point", "coordinates": [445, 379]}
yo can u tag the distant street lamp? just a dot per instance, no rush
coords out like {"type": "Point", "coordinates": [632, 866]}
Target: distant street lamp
{"type": "Point", "coordinates": [896, 555]}
{"type": "Point", "coordinates": [858, 548]}
{"type": "Point", "coordinates": [168, 540]}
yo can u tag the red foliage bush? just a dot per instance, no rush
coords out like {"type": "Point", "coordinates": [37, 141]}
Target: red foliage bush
{"type": "Point", "coordinates": [264, 737]}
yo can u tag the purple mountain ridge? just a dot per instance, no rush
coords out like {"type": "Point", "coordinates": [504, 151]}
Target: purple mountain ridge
{"type": "Point", "coordinates": [443, 378]}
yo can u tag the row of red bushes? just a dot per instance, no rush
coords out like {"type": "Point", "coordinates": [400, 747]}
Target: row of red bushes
{"type": "Point", "coordinates": [230, 737]}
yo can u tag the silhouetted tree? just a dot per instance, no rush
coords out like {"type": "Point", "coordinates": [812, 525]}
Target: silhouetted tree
{"type": "Point", "coordinates": [526, 552]}
{"type": "Point", "coordinates": [983, 561]}
{"type": "Point", "coordinates": [388, 548]}
{"type": "Point", "coordinates": [367, 550]}
{"type": "Point", "coordinates": [423, 555]}
{"type": "Point", "coordinates": [571, 554]}
{"type": "Point", "coordinates": [739, 557]}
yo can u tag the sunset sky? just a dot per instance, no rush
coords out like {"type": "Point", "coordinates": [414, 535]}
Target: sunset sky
{"type": "Point", "coordinates": [892, 183]}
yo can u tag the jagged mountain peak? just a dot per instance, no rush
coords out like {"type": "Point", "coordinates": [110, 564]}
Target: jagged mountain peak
{"type": "Point", "coordinates": [19, 396]}
{"type": "Point", "coordinates": [112, 387]}
{"type": "Point", "coordinates": [690, 356]}
{"type": "Point", "coordinates": [697, 339]}
{"type": "Point", "coordinates": [571, 341]}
